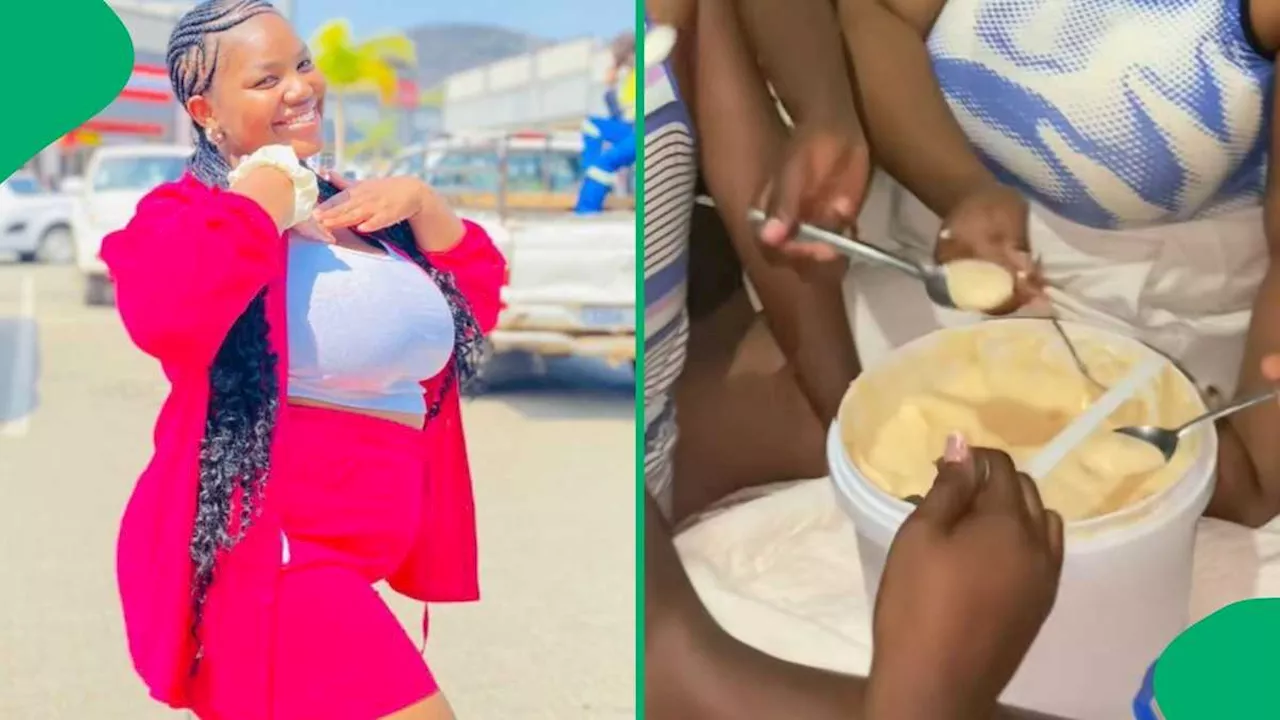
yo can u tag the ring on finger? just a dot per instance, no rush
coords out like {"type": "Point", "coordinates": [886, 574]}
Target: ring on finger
{"type": "Point", "coordinates": [981, 468]}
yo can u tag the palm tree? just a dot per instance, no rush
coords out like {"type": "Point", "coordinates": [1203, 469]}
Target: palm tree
{"type": "Point", "coordinates": [350, 66]}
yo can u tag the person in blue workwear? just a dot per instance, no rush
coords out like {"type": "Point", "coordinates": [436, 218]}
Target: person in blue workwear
{"type": "Point", "coordinates": [609, 141]}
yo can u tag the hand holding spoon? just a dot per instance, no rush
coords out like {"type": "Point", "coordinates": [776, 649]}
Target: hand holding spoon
{"type": "Point", "coordinates": [965, 284]}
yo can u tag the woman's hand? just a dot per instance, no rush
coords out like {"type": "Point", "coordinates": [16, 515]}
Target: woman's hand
{"type": "Point", "coordinates": [822, 180]}
{"type": "Point", "coordinates": [971, 577]}
{"type": "Point", "coordinates": [990, 224]}
{"type": "Point", "coordinates": [373, 205]}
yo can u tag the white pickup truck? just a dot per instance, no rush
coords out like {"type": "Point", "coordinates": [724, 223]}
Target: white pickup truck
{"type": "Point", "coordinates": [117, 178]}
{"type": "Point", "coordinates": [571, 287]}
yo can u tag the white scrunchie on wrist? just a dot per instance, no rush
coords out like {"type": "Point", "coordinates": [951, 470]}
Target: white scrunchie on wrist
{"type": "Point", "coordinates": [306, 191]}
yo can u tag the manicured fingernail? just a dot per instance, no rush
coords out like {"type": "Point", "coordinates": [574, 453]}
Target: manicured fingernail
{"type": "Point", "coordinates": [914, 499]}
{"type": "Point", "coordinates": [956, 450]}
{"type": "Point", "coordinates": [773, 230]}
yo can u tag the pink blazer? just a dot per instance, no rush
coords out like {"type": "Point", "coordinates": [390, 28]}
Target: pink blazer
{"type": "Point", "coordinates": [185, 268]}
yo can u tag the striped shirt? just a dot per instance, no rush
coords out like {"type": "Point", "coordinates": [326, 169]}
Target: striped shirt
{"type": "Point", "coordinates": [670, 174]}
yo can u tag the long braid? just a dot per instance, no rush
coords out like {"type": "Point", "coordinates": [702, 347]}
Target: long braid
{"type": "Point", "coordinates": [235, 452]}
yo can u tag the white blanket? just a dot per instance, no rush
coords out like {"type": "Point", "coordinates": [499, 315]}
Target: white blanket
{"type": "Point", "coordinates": [781, 573]}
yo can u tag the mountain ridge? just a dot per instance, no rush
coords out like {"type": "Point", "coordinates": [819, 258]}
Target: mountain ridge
{"type": "Point", "coordinates": [448, 48]}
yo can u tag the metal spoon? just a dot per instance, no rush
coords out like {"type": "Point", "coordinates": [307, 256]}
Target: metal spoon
{"type": "Point", "coordinates": [1166, 440]}
{"type": "Point", "coordinates": [1075, 355]}
{"type": "Point", "coordinates": [935, 282]}
{"type": "Point", "coordinates": [931, 275]}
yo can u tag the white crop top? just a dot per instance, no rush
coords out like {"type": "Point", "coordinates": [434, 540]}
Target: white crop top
{"type": "Point", "coordinates": [365, 329]}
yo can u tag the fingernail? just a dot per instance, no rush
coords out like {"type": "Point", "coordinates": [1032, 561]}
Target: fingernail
{"type": "Point", "coordinates": [842, 206]}
{"type": "Point", "coordinates": [956, 450]}
{"type": "Point", "coordinates": [773, 230]}
{"type": "Point", "coordinates": [944, 234]}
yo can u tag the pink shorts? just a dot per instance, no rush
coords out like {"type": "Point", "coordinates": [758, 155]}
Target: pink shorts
{"type": "Point", "coordinates": [348, 489]}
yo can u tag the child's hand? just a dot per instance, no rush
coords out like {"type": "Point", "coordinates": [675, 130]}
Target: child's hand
{"type": "Point", "coordinates": [991, 224]}
{"type": "Point", "coordinates": [970, 578]}
{"type": "Point", "coordinates": [823, 180]}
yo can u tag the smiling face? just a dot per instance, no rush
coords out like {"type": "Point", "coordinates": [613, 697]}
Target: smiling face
{"type": "Point", "coordinates": [266, 90]}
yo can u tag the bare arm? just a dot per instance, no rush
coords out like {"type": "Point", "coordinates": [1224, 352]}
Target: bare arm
{"type": "Point", "coordinates": [272, 189]}
{"type": "Point", "coordinates": [1248, 488]}
{"type": "Point", "coordinates": [693, 668]}
{"type": "Point", "coordinates": [798, 45]}
{"type": "Point", "coordinates": [911, 130]}
{"type": "Point", "coordinates": [742, 137]}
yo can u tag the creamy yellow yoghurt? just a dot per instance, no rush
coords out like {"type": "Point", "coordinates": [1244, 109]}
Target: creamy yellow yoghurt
{"type": "Point", "coordinates": [978, 285]}
{"type": "Point", "coordinates": [1012, 385]}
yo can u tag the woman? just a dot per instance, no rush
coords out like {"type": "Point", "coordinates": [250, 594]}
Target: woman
{"type": "Point", "coordinates": [609, 142]}
{"type": "Point", "coordinates": [311, 444]}
{"type": "Point", "coordinates": [1139, 139]}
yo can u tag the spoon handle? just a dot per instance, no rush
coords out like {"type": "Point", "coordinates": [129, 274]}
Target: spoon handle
{"type": "Point", "coordinates": [849, 247]}
{"type": "Point", "coordinates": [814, 233]}
{"type": "Point", "coordinates": [1234, 407]}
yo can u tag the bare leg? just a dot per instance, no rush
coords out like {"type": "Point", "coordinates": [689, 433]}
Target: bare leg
{"type": "Point", "coordinates": [744, 421]}
{"type": "Point", "coordinates": [736, 384]}
{"type": "Point", "coordinates": [435, 707]}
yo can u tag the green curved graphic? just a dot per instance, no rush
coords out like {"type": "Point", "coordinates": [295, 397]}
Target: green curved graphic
{"type": "Point", "coordinates": [1225, 667]}
{"type": "Point", "coordinates": [68, 59]}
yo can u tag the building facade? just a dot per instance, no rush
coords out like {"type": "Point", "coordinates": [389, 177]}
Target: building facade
{"type": "Point", "coordinates": [145, 111]}
{"type": "Point", "coordinates": [549, 89]}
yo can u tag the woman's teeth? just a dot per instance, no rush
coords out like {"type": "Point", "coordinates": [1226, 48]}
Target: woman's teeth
{"type": "Point", "coordinates": [305, 118]}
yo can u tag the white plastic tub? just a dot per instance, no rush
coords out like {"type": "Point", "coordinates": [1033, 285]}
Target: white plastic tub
{"type": "Point", "coordinates": [1126, 581]}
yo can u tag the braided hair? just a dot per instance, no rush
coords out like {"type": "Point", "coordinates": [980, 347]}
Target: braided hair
{"type": "Point", "coordinates": [244, 393]}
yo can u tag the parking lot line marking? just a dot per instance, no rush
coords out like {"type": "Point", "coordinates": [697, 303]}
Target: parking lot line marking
{"type": "Point", "coordinates": [24, 347]}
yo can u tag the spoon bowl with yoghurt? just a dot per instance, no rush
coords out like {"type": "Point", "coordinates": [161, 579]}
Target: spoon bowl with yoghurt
{"type": "Point", "coordinates": [1165, 440]}
{"type": "Point", "coordinates": [972, 285]}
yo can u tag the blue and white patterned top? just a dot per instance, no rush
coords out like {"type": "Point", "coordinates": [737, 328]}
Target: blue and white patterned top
{"type": "Point", "coordinates": [1114, 114]}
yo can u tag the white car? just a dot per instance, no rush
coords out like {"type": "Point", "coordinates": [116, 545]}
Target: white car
{"type": "Point", "coordinates": [34, 223]}
{"type": "Point", "coordinates": [117, 177]}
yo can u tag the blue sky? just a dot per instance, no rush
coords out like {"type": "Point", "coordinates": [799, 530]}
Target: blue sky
{"type": "Point", "coordinates": [555, 19]}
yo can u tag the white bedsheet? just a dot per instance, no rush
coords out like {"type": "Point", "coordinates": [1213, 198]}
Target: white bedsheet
{"type": "Point", "coordinates": [781, 573]}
